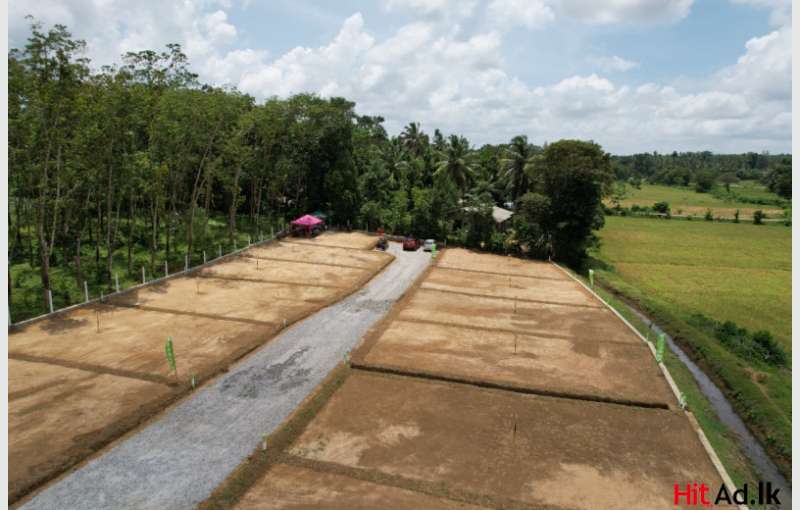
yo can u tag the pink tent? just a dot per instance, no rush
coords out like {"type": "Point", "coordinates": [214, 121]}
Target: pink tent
{"type": "Point", "coordinates": [307, 222]}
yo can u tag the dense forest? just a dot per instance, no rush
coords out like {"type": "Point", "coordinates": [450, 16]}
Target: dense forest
{"type": "Point", "coordinates": [126, 169]}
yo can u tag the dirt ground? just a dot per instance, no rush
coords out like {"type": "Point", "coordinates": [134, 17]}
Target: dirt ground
{"type": "Point", "coordinates": [526, 448]}
{"type": "Point", "coordinates": [292, 487]}
{"type": "Point", "coordinates": [560, 321]}
{"type": "Point", "coordinates": [73, 388]}
{"type": "Point", "coordinates": [502, 383]}
{"type": "Point", "coordinates": [595, 370]}
{"type": "Point", "coordinates": [353, 240]}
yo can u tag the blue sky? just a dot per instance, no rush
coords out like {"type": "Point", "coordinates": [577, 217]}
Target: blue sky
{"type": "Point", "coordinates": [633, 75]}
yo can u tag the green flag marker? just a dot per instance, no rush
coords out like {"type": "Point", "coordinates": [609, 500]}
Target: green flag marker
{"type": "Point", "coordinates": [170, 355]}
{"type": "Point", "coordinates": [591, 277]}
{"type": "Point", "coordinates": [660, 348]}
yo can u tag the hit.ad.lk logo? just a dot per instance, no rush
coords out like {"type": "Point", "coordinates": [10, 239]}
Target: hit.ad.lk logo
{"type": "Point", "coordinates": [700, 494]}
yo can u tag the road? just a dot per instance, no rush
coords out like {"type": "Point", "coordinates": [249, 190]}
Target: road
{"type": "Point", "coordinates": [176, 461]}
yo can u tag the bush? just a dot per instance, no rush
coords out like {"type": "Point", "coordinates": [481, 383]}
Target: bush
{"type": "Point", "coordinates": [760, 345]}
{"type": "Point", "coordinates": [709, 215]}
{"type": "Point", "coordinates": [758, 217]}
{"type": "Point", "coordinates": [768, 350]}
{"type": "Point", "coordinates": [661, 207]}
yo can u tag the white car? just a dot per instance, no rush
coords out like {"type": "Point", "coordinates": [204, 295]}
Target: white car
{"type": "Point", "coordinates": [428, 245]}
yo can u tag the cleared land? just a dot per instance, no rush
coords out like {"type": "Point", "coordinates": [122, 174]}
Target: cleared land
{"type": "Point", "coordinates": [724, 271]}
{"type": "Point", "coordinates": [79, 379]}
{"type": "Point", "coordinates": [498, 399]}
{"type": "Point", "coordinates": [685, 201]}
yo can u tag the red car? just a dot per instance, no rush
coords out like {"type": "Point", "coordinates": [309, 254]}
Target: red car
{"type": "Point", "coordinates": [410, 244]}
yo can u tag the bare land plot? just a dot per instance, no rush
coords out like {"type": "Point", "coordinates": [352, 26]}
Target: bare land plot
{"type": "Point", "coordinates": [214, 315]}
{"type": "Point", "coordinates": [466, 260]}
{"type": "Point", "coordinates": [505, 445]}
{"type": "Point", "coordinates": [293, 487]}
{"type": "Point", "coordinates": [523, 289]}
{"type": "Point", "coordinates": [354, 240]}
{"type": "Point", "coordinates": [480, 312]}
{"type": "Point", "coordinates": [593, 370]}
{"type": "Point", "coordinates": [295, 252]}
{"type": "Point", "coordinates": [50, 424]}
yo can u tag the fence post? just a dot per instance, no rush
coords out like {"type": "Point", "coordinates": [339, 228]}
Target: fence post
{"type": "Point", "coordinates": [249, 241]}
{"type": "Point", "coordinates": [220, 249]}
{"type": "Point", "coordinates": [186, 262]}
{"type": "Point", "coordinates": [591, 277]}
{"type": "Point", "coordinates": [50, 299]}
{"type": "Point", "coordinates": [166, 269]}
{"type": "Point", "coordinates": [204, 257]}
{"type": "Point", "coordinates": [144, 280]}
{"type": "Point", "coordinates": [86, 290]}
{"type": "Point", "coordinates": [116, 281]}
{"type": "Point", "coordinates": [234, 245]}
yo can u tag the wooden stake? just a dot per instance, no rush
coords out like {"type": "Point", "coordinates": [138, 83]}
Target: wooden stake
{"type": "Point", "coordinates": [97, 314]}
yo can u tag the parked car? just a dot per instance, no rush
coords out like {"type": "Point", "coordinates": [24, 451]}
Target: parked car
{"type": "Point", "coordinates": [428, 245]}
{"type": "Point", "coordinates": [410, 244]}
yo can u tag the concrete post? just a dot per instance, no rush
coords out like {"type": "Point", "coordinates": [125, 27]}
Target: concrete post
{"type": "Point", "coordinates": [166, 269]}
{"type": "Point", "coordinates": [220, 249]}
{"type": "Point", "coordinates": [144, 280]}
{"type": "Point", "coordinates": [204, 257]}
{"type": "Point", "coordinates": [116, 281]}
{"type": "Point", "coordinates": [50, 299]}
{"type": "Point", "coordinates": [86, 290]}
{"type": "Point", "coordinates": [186, 262]}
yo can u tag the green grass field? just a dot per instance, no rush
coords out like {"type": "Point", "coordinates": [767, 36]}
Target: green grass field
{"type": "Point", "coordinates": [685, 201]}
{"type": "Point", "coordinates": [740, 272]}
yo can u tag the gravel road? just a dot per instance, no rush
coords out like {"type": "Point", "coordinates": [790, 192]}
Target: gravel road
{"type": "Point", "coordinates": [176, 461]}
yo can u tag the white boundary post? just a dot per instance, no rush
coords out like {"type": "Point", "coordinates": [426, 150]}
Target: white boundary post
{"type": "Point", "coordinates": [220, 250]}
{"type": "Point", "coordinates": [116, 281]}
{"type": "Point", "coordinates": [144, 280]}
{"type": "Point", "coordinates": [166, 269]}
{"type": "Point", "coordinates": [49, 300]}
{"type": "Point", "coordinates": [86, 290]}
{"type": "Point", "coordinates": [204, 257]}
{"type": "Point", "coordinates": [186, 262]}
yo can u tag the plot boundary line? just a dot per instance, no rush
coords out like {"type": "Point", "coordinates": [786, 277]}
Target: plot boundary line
{"type": "Point", "coordinates": [504, 298]}
{"type": "Point", "coordinates": [334, 246]}
{"type": "Point", "coordinates": [211, 316]}
{"type": "Point", "coordinates": [264, 280]}
{"type": "Point", "coordinates": [511, 331]}
{"type": "Point", "coordinates": [425, 487]}
{"type": "Point", "coordinates": [291, 261]}
{"type": "Point", "coordinates": [494, 273]}
{"type": "Point", "coordinates": [503, 386]}
{"type": "Point", "coordinates": [92, 368]}
{"type": "Point", "coordinates": [715, 460]}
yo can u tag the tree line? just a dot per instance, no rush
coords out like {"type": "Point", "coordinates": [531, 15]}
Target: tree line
{"type": "Point", "coordinates": [704, 169]}
{"type": "Point", "coordinates": [134, 166]}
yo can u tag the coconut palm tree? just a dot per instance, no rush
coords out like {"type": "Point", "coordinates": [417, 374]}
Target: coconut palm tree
{"type": "Point", "coordinates": [414, 140]}
{"type": "Point", "coordinates": [516, 162]}
{"type": "Point", "coordinates": [457, 161]}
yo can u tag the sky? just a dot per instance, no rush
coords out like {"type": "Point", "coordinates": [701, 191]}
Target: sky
{"type": "Point", "coordinates": [632, 75]}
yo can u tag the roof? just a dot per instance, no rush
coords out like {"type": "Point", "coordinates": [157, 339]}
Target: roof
{"type": "Point", "coordinates": [307, 221]}
{"type": "Point", "coordinates": [500, 215]}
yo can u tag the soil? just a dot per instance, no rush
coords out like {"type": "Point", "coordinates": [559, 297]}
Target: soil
{"type": "Point", "coordinates": [579, 368]}
{"type": "Point", "coordinates": [76, 384]}
{"type": "Point", "coordinates": [292, 487]}
{"type": "Point", "coordinates": [537, 450]}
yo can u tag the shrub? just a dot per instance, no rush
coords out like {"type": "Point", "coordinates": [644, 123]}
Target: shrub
{"type": "Point", "coordinates": [768, 350]}
{"type": "Point", "coordinates": [736, 216]}
{"type": "Point", "coordinates": [709, 215]}
{"type": "Point", "coordinates": [661, 207]}
{"type": "Point", "coordinates": [758, 217]}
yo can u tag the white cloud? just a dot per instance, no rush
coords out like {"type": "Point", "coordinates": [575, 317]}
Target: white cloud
{"type": "Point", "coordinates": [613, 63]}
{"type": "Point", "coordinates": [528, 13]}
{"type": "Point", "coordinates": [449, 8]}
{"type": "Point", "coordinates": [604, 12]}
{"type": "Point", "coordinates": [459, 81]}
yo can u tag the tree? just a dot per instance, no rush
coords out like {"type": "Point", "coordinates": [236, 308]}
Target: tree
{"type": "Point", "coordinates": [457, 162]}
{"type": "Point", "coordinates": [569, 184]}
{"type": "Point", "coordinates": [516, 162]}
{"type": "Point", "coordinates": [704, 181]}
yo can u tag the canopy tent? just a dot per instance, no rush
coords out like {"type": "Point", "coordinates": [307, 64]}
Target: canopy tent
{"type": "Point", "coordinates": [306, 223]}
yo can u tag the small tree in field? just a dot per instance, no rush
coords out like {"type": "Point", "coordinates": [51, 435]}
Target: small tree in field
{"type": "Point", "coordinates": [758, 217]}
